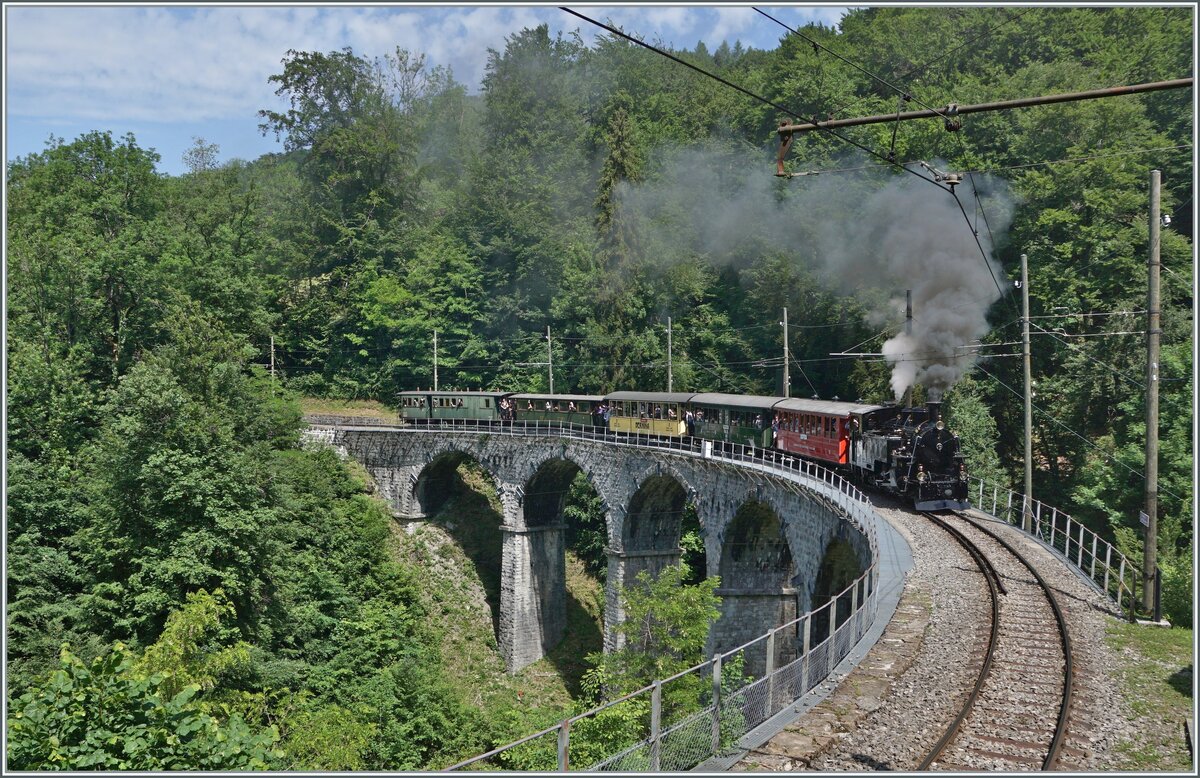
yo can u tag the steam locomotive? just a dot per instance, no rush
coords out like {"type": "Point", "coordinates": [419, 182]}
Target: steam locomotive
{"type": "Point", "coordinates": [907, 452]}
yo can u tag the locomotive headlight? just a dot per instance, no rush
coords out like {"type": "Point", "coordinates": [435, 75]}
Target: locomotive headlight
{"type": "Point", "coordinates": [940, 425]}
{"type": "Point", "coordinates": [921, 476]}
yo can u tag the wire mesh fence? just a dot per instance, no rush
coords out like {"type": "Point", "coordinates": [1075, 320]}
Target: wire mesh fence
{"type": "Point", "coordinates": [703, 712]}
{"type": "Point", "coordinates": [1075, 544]}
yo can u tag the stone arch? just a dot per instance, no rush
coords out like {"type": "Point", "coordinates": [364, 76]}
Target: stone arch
{"type": "Point", "coordinates": [545, 492]}
{"type": "Point", "coordinates": [649, 542]}
{"type": "Point", "coordinates": [652, 520]}
{"type": "Point", "coordinates": [840, 566]}
{"type": "Point", "coordinates": [755, 553]}
{"type": "Point", "coordinates": [438, 476]}
{"type": "Point", "coordinates": [757, 570]}
{"type": "Point", "coordinates": [546, 483]}
{"type": "Point", "coordinates": [535, 558]}
{"type": "Point", "coordinates": [473, 525]}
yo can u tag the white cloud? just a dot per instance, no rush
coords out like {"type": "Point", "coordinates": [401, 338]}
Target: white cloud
{"type": "Point", "coordinates": [178, 64]}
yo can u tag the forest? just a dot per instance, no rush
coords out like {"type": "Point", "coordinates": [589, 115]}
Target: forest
{"type": "Point", "coordinates": [227, 597]}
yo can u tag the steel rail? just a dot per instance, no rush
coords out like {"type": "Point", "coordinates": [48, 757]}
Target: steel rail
{"type": "Point", "coordinates": [953, 110]}
{"type": "Point", "coordinates": [993, 580]}
{"type": "Point", "coordinates": [1068, 672]}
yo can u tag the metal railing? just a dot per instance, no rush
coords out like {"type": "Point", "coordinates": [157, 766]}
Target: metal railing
{"type": "Point", "coordinates": [678, 722]}
{"type": "Point", "coordinates": [1076, 545]}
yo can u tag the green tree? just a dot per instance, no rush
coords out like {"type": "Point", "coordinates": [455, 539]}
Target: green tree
{"type": "Point", "coordinates": [106, 716]}
{"type": "Point", "coordinates": [194, 649]}
{"type": "Point", "coordinates": [665, 628]}
{"type": "Point", "coordinates": [967, 415]}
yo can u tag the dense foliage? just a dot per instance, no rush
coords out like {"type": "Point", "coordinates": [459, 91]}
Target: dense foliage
{"type": "Point", "coordinates": [155, 477]}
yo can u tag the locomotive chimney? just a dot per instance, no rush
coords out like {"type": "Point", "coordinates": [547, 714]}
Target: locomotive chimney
{"type": "Point", "coordinates": [933, 404]}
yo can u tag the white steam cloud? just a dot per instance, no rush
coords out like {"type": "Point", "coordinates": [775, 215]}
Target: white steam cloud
{"type": "Point", "coordinates": [861, 231]}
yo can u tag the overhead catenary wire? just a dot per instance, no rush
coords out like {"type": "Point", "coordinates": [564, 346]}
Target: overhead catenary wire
{"type": "Point", "coordinates": [983, 254]}
{"type": "Point", "coordinates": [748, 93]}
{"type": "Point", "coordinates": [1116, 371]}
{"type": "Point", "coordinates": [1049, 416]}
{"type": "Point", "coordinates": [904, 93]}
{"type": "Point", "coordinates": [818, 125]}
{"type": "Point", "coordinates": [916, 70]}
{"type": "Point", "coordinates": [1003, 105]}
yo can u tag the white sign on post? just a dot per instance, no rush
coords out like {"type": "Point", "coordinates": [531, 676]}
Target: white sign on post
{"type": "Point", "coordinates": [1142, 517]}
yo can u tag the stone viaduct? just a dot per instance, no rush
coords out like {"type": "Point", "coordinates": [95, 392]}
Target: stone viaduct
{"type": "Point", "coordinates": [771, 538]}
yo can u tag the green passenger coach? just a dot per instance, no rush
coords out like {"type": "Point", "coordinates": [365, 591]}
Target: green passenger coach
{"type": "Point", "coordinates": [474, 406]}
{"type": "Point", "coordinates": [561, 408]}
{"type": "Point", "coordinates": [734, 418]}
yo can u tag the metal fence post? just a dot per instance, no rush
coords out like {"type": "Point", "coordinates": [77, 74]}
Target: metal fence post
{"type": "Point", "coordinates": [564, 745]}
{"type": "Point", "coordinates": [716, 693]}
{"type": "Point", "coordinates": [1095, 537]}
{"type": "Point", "coordinates": [806, 644]}
{"type": "Point", "coordinates": [655, 727]}
{"type": "Point", "coordinates": [1079, 561]}
{"type": "Point", "coordinates": [1067, 540]}
{"type": "Point", "coordinates": [1120, 582]}
{"type": "Point", "coordinates": [1107, 564]}
{"type": "Point", "coordinates": [854, 609]}
{"type": "Point", "coordinates": [770, 670]}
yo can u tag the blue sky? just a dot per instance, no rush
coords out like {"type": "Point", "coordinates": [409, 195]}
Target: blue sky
{"type": "Point", "coordinates": [171, 73]}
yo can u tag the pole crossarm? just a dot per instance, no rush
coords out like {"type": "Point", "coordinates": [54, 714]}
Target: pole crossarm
{"type": "Point", "coordinates": [953, 110]}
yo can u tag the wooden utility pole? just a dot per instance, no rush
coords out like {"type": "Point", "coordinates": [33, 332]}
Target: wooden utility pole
{"type": "Point", "coordinates": [435, 361]}
{"type": "Point", "coordinates": [1153, 332]}
{"type": "Point", "coordinates": [787, 377]}
{"type": "Point", "coordinates": [550, 358]}
{"type": "Point", "coordinates": [1026, 522]}
{"type": "Point", "coordinates": [670, 377]}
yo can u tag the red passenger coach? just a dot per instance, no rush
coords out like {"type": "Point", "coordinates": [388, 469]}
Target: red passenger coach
{"type": "Point", "coordinates": [818, 429]}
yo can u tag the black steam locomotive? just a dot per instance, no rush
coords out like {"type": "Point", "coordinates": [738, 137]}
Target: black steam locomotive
{"type": "Point", "coordinates": [910, 452]}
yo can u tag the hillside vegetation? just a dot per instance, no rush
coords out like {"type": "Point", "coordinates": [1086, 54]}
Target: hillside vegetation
{"type": "Point", "coordinates": [246, 603]}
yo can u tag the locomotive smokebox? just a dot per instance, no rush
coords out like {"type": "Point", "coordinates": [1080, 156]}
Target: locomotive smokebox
{"type": "Point", "coordinates": [933, 404]}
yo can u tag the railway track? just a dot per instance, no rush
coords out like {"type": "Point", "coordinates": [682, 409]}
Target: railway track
{"type": "Point", "coordinates": [1015, 718]}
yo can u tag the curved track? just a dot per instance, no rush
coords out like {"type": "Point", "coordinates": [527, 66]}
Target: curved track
{"type": "Point", "coordinates": [1015, 717]}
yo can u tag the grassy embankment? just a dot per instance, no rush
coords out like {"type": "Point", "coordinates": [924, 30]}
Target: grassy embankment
{"type": "Point", "coordinates": [458, 554]}
{"type": "Point", "coordinates": [1156, 676]}
{"type": "Point", "coordinates": [367, 408]}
